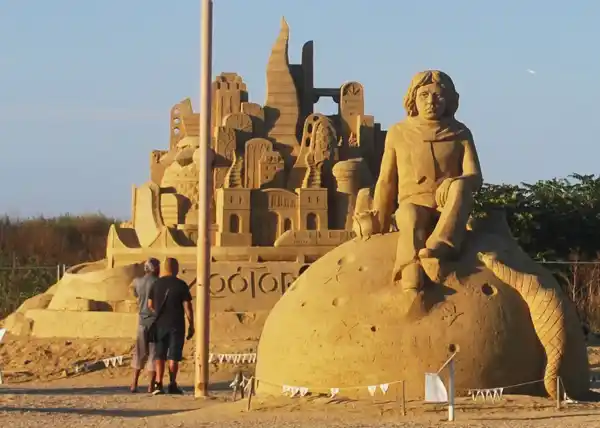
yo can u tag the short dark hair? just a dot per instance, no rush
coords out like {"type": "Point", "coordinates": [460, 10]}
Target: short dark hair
{"type": "Point", "coordinates": [171, 266]}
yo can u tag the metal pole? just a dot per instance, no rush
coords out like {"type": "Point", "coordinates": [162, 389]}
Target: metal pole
{"type": "Point", "coordinates": [203, 243]}
{"type": "Point", "coordinates": [451, 391]}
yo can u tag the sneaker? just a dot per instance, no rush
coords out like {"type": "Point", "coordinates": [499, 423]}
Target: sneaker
{"type": "Point", "coordinates": [157, 389]}
{"type": "Point", "coordinates": [174, 389]}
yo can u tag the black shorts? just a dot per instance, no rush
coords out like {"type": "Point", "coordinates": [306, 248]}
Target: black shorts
{"type": "Point", "coordinates": [169, 344]}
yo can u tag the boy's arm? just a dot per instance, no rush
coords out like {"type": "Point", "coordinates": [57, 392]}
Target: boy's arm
{"type": "Point", "coordinates": [471, 169]}
{"type": "Point", "coordinates": [387, 183]}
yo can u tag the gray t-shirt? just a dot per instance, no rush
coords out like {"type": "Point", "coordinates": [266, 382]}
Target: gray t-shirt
{"type": "Point", "coordinates": [141, 287]}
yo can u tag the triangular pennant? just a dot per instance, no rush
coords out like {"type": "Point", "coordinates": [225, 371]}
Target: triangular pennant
{"type": "Point", "coordinates": [238, 358]}
{"type": "Point", "coordinates": [244, 356]}
{"type": "Point", "coordinates": [221, 358]}
{"type": "Point", "coordinates": [384, 387]}
{"type": "Point", "coordinates": [295, 390]}
{"type": "Point", "coordinates": [285, 389]}
{"type": "Point", "coordinates": [334, 392]}
{"type": "Point", "coordinates": [472, 394]}
{"type": "Point", "coordinates": [106, 362]}
{"type": "Point", "coordinates": [210, 358]}
{"type": "Point", "coordinates": [372, 389]}
{"type": "Point", "coordinates": [253, 358]}
{"type": "Point", "coordinates": [120, 359]}
{"type": "Point", "coordinates": [488, 393]}
{"type": "Point", "coordinates": [500, 391]}
{"type": "Point", "coordinates": [303, 391]}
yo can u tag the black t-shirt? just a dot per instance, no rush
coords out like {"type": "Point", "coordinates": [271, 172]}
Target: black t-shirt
{"type": "Point", "coordinates": [172, 316]}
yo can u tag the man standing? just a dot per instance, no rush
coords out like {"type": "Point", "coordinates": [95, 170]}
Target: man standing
{"type": "Point", "coordinates": [170, 298]}
{"type": "Point", "coordinates": [144, 351]}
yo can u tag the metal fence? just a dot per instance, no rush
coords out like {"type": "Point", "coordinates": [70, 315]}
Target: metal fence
{"type": "Point", "coordinates": [60, 269]}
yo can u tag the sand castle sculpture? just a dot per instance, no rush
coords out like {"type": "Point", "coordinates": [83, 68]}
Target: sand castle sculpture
{"type": "Point", "coordinates": [388, 306]}
{"type": "Point", "coordinates": [286, 183]}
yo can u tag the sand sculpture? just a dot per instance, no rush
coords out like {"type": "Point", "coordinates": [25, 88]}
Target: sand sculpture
{"type": "Point", "coordinates": [387, 306]}
{"type": "Point", "coordinates": [286, 182]}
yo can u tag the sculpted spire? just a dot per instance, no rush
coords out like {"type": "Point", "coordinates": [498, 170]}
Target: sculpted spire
{"type": "Point", "coordinates": [282, 109]}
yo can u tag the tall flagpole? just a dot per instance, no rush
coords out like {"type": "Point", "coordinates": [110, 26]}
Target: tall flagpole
{"type": "Point", "coordinates": [203, 250]}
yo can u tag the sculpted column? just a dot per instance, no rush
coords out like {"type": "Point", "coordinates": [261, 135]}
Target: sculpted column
{"type": "Point", "coordinates": [350, 176]}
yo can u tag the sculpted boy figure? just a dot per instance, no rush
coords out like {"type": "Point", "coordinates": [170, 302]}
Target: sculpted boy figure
{"type": "Point", "coordinates": [431, 169]}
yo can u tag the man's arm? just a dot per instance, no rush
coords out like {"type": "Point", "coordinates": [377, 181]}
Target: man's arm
{"type": "Point", "coordinates": [189, 312]}
{"type": "Point", "coordinates": [133, 287]}
{"type": "Point", "coordinates": [471, 169]}
{"type": "Point", "coordinates": [387, 184]}
{"type": "Point", "coordinates": [151, 294]}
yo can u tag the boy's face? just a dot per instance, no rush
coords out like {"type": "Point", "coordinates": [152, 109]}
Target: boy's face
{"type": "Point", "coordinates": [430, 101]}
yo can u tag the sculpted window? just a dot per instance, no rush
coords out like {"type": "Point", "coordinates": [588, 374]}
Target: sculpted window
{"type": "Point", "coordinates": [312, 222]}
{"type": "Point", "coordinates": [234, 223]}
{"type": "Point", "coordinates": [287, 224]}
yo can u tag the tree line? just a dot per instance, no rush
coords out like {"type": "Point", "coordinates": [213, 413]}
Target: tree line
{"type": "Point", "coordinates": [553, 220]}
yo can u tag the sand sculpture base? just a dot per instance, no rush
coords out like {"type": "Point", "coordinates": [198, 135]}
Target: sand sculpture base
{"type": "Point", "coordinates": [344, 324]}
{"type": "Point", "coordinates": [93, 301]}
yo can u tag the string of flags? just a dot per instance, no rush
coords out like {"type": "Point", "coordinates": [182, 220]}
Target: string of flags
{"type": "Point", "coordinates": [232, 358]}
{"type": "Point", "coordinates": [113, 361]}
{"type": "Point", "coordinates": [492, 394]}
{"type": "Point", "coordinates": [302, 391]}
{"type": "Point", "coordinates": [435, 390]}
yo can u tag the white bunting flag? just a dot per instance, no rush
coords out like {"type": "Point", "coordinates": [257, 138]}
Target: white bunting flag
{"type": "Point", "coordinates": [120, 360]}
{"type": "Point", "coordinates": [285, 389]}
{"type": "Point", "coordinates": [106, 362]}
{"type": "Point", "coordinates": [384, 387]}
{"type": "Point", "coordinates": [210, 358]}
{"type": "Point", "coordinates": [303, 391]}
{"type": "Point", "coordinates": [372, 389]}
{"type": "Point", "coordinates": [334, 392]}
{"type": "Point", "coordinates": [295, 391]}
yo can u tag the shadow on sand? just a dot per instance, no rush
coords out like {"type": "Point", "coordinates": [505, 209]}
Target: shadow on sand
{"type": "Point", "coordinates": [101, 390]}
{"type": "Point", "coordinates": [188, 404]}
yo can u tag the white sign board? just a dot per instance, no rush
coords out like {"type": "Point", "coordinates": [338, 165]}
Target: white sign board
{"type": "Point", "coordinates": [435, 391]}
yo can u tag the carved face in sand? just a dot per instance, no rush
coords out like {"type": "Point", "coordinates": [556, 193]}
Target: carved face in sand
{"type": "Point", "coordinates": [430, 101]}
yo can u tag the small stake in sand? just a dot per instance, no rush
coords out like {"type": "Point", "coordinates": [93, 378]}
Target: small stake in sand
{"type": "Point", "coordinates": [250, 393]}
{"type": "Point", "coordinates": [403, 399]}
{"type": "Point", "coordinates": [557, 392]}
{"type": "Point", "coordinates": [450, 363]}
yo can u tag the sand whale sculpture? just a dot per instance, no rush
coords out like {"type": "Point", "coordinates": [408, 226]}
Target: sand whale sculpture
{"type": "Point", "coordinates": [387, 306]}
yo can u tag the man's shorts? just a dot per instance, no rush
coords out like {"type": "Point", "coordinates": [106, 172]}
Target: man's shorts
{"type": "Point", "coordinates": [169, 344]}
{"type": "Point", "coordinates": [143, 352]}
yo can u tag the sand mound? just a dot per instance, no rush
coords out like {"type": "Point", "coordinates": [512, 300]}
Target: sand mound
{"type": "Point", "coordinates": [344, 324]}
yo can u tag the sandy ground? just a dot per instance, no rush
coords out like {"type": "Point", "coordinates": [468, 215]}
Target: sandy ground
{"type": "Point", "coordinates": [38, 393]}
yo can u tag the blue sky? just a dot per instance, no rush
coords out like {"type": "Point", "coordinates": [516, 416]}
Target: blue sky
{"type": "Point", "coordinates": [87, 85]}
